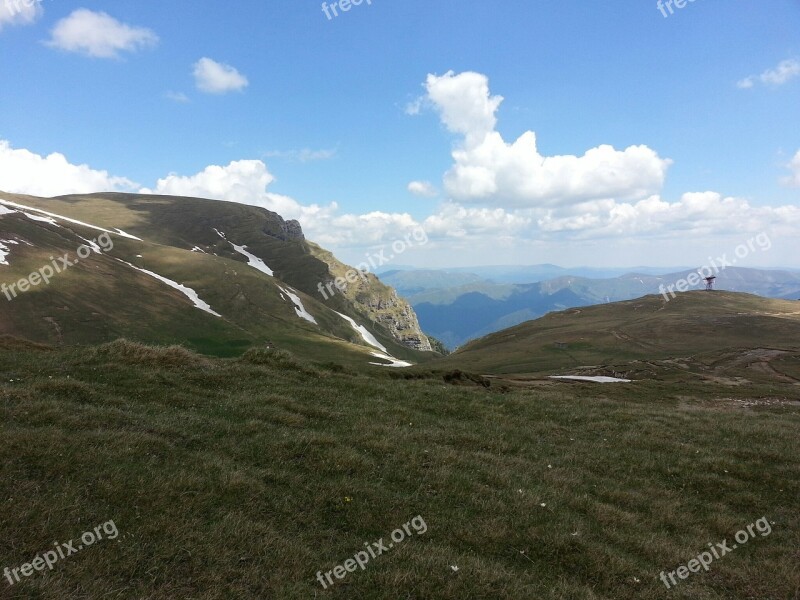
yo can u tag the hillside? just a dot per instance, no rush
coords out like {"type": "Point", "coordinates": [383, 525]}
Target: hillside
{"type": "Point", "coordinates": [252, 278]}
{"type": "Point", "coordinates": [648, 337]}
{"type": "Point", "coordinates": [459, 313]}
{"type": "Point", "coordinates": [252, 477]}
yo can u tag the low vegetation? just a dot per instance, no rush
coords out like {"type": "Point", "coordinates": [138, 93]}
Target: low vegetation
{"type": "Point", "coordinates": [242, 478]}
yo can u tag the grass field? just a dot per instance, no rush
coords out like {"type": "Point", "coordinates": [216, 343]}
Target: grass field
{"type": "Point", "coordinates": [244, 478]}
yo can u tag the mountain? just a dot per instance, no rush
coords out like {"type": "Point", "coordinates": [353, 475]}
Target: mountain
{"type": "Point", "coordinates": [708, 334]}
{"type": "Point", "coordinates": [460, 313]}
{"type": "Point", "coordinates": [217, 276]}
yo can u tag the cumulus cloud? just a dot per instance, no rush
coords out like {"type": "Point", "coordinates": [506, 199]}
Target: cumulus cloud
{"type": "Point", "coordinates": [793, 180]}
{"type": "Point", "coordinates": [696, 213]}
{"type": "Point", "coordinates": [212, 77]}
{"type": "Point", "coordinates": [783, 73]}
{"type": "Point", "coordinates": [462, 230]}
{"type": "Point", "coordinates": [456, 221]}
{"type": "Point", "coordinates": [19, 12]}
{"type": "Point", "coordinates": [99, 35]}
{"type": "Point", "coordinates": [24, 172]}
{"type": "Point", "coordinates": [489, 169]}
{"type": "Point", "coordinates": [422, 188]}
{"type": "Point", "coordinates": [247, 182]}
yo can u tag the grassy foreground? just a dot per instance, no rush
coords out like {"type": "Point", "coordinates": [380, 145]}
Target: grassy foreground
{"type": "Point", "coordinates": [244, 478]}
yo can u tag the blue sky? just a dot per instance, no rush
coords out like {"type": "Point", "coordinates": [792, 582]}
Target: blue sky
{"type": "Point", "coordinates": [678, 136]}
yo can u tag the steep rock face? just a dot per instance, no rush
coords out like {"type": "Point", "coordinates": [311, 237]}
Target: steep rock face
{"type": "Point", "coordinates": [376, 301]}
{"type": "Point", "coordinates": [396, 315]}
{"type": "Point", "coordinates": [286, 231]}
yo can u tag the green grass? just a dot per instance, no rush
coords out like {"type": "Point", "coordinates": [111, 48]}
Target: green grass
{"type": "Point", "coordinates": [242, 478]}
{"type": "Point", "coordinates": [645, 329]}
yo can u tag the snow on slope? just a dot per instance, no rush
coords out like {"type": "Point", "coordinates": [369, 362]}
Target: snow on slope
{"type": "Point", "coordinates": [61, 218]}
{"type": "Point", "coordinates": [252, 259]}
{"type": "Point", "coordinates": [186, 291]}
{"type": "Point", "coordinates": [398, 364]}
{"type": "Point", "coordinates": [365, 334]}
{"type": "Point", "coordinates": [93, 245]}
{"type": "Point", "coordinates": [372, 341]}
{"type": "Point", "coordinates": [33, 217]}
{"type": "Point", "coordinates": [298, 306]}
{"type": "Point", "coordinates": [596, 379]}
{"type": "Point", "coordinates": [4, 250]}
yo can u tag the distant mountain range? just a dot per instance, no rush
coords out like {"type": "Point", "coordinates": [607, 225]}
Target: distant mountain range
{"type": "Point", "coordinates": [458, 305]}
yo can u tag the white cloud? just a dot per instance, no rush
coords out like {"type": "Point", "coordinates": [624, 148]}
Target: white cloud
{"type": "Point", "coordinates": [178, 97]}
{"type": "Point", "coordinates": [24, 172]}
{"type": "Point", "coordinates": [212, 77]}
{"type": "Point", "coordinates": [696, 214]}
{"type": "Point", "coordinates": [488, 169]}
{"type": "Point", "coordinates": [304, 155]}
{"type": "Point", "coordinates": [414, 107]}
{"type": "Point", "coordinates": [456, 221]}
{"type": "Point", "coordinates": [783, 73]}
{"type": "Point", "coordinates": [423, 188]}
{"type": "Point", "coordinates": [793, 180]}
{"type": "Point", "coordinates": [99, 35]}
{"type": "Point", "coordinates": [457, 233]}
{"type": "Point", "coordinates": [19, 12]}
{"type": "Point", "coordinates": [247, 182]}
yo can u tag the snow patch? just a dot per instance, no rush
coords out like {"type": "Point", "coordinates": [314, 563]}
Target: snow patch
{"type": "Point", "coordinates": [397, 364]}
{"type": "Point", "coordinates": [186, 291]}
{"type": "Point", "coordinates": [6, 211]}
{"type": "Point", "coordinates": [67, 219]}
{"type": "Point", "coordinates": [365, 333]}
{"type": "Point", "coordinates": [127, 235]}
{"type": "Point", "coordinates": [93, 245]}
{"type": "Point", "coordinates": [198, 249]}
{"type": "Point", "coordinates": [596, 379]}
{"type": "Point", "coordinates": [252, 259]}
{"type": "Point", "coordinates": [4, 250]}
{"type": "Point", "coordinates": [33, 217]}
{"type": "Point", "coordinates": [298, 306]}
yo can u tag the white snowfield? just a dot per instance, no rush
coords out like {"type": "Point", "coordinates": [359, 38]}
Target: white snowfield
{"type": "Point", "coordinates": [370, 339]}
{"type": "Point", "coordinates": [93, 245]}
{"type": "Point", "coordinates": [298, 306]}
{"type": "Point", "coordinates": [252, 259]}
{"type": "Point", "coordinates": [365, 334]}
{"type": "Point", "coordinates": [397, 364]}
{"type": "Point", "coordinates": [596, 379]}
{"type": "Point", "coordinates": [4, 250]}
{"type": "Point", "coordinates": [33, 217]}
{"type": "Point", "coordinates": [40, 212]}
{"type": "Point", "coordinates": [186, 291]}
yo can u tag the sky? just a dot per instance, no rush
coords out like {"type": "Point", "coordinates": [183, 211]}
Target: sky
{"type": "Point", "coordinates": [618, 133]}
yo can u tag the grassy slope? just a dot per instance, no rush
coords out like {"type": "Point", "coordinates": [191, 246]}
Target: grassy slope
{"type": "Point", "coordinates": [642, 329]}
{"type": "Point", "coordinates": [229, 479]}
